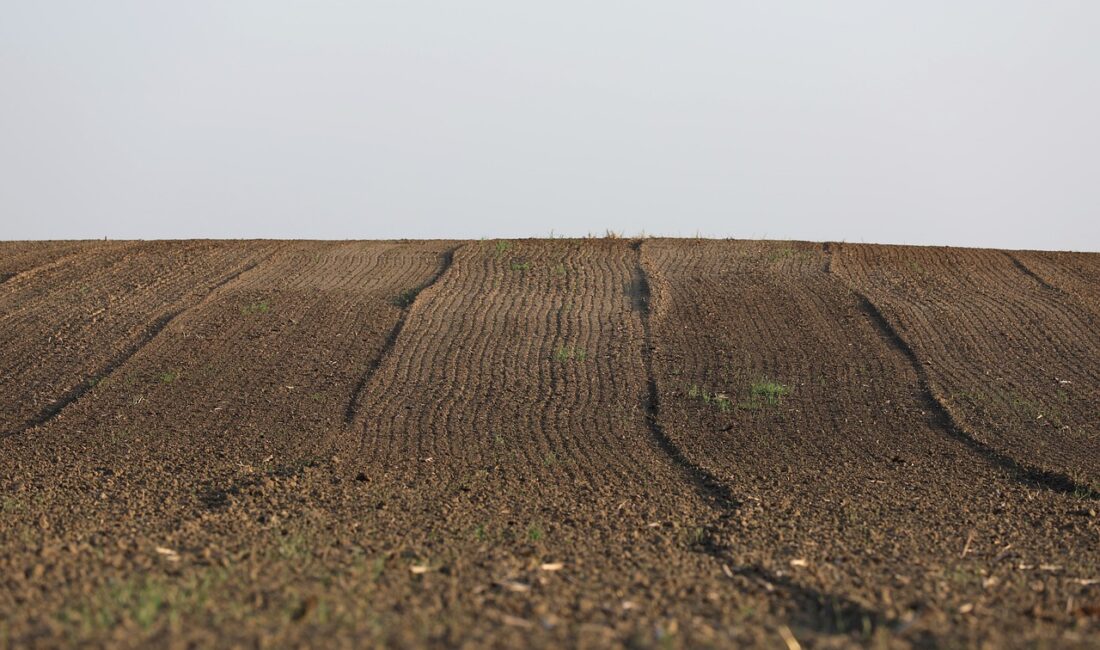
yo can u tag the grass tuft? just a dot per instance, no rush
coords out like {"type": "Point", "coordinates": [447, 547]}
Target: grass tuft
{"type": "Point", "coordinates": [720, 401]}
{"type": "Point", "coordinates": [261, 307]}
{"type": "Point", "coordinates": [564, 354]}
{"type": "Point", "coordinates": [765, 393]}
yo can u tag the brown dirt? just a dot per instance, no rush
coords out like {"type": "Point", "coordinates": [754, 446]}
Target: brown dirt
{"type": "Point", "coordinates": [855, 469]}
{"type": "Point", "coordinates": [1075, 275]}
{"type": "Point", "coordinates": [1014, 361]}
{"type": "Point", "coordinates": [69, 324]}
{"type": "Point", "coordinates": [19, 257]}
{"type": "Point", "coordinates": [519, 444]}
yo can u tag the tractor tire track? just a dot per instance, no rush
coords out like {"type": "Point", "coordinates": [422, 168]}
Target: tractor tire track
{"type": "Point", "coordinates": [299, 330]}
{"type": "Point", "coordinates": [148, 334]}
{"type": "Point", "coordinates": [62, 327]}
{"type": "Point", "coordinates": [446, 259]}
{"type": "Point", "coordinates": [946, 419]}
{"type": "Point", "coordinates": [854, 437]}
{"type": "Point", "coordinates": [813, 609]}
{"type": "Point", "coordinates": [704, 482]}
{"type": "Point", "coordinates": [1023, 268]}
{"type": "Point", "coordinates": [1012, 359]}
{"type": "Point", "coordinates": [1031, 474]}
{"type": "Point", "coordinates": [23, 259]}
{"type": "Point", "coordinates": [1075, 275]}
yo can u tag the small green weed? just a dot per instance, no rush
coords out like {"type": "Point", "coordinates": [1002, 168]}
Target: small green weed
{"type": "Point", "coordinates": [1081, 487]}
{"type": "Point", "coordinates": [787, 252]}
{"type": "Point", "coordinates": [261, 307]}
{"type": "Point", "coordinates": [534, 534]}
{"type": "Point", "coordinates": [169, 376]}
{"type": "Point", "coordinates": [564, 354]}
{"type": "Point", "coordinates": [721, 401]}
{"type": "Point", "coordinates": [972, 396]}
{"type": "Point", "coordinates": [770, 391]}
{"type": "Point", "coordinates": [147, 601]}
{"type": "Point", "coordinates": [521, 266]}
{"type": "Point", "coordinates": [765, 392]}
{"type": "Point", "coordinates": [377, 566]}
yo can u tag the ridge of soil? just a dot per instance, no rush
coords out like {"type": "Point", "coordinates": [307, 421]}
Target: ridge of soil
{"type": "Point", "coordinates": [547, 443]}
{"type": "Point", "coordinates": [1011, 358]}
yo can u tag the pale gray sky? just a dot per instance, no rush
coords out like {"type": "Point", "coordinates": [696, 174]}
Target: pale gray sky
{"type": "Point", "coordinates": [952, 122]}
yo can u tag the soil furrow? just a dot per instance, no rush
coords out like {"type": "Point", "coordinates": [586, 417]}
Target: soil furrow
{"type": "Point", "coordinates": [950, 425]}
{"type": "Point", "coordinates": [54, 409]}
{"type": "Point", "coordinates": [1012, 358]}
{"type": "Point", "coordinates": [1023, 268]}
{"type": "Point", "coordinates": [26, 258]}
{"type": "Point", "coordinates": [406, 302]}
{"type": "Point", "coordinates": [566, 443]}
{"type": "Point", "coordinates": [776, 379]}
{"type": "Point", "coordinates": [62, 328]}
{"type": "Point", "coordinates": [49, 284]}
{"type": "Point", "coordinates": [702, 480]}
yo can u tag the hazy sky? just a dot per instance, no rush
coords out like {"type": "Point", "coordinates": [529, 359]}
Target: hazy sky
{"type": "Point", "coordinates": [953, 122]}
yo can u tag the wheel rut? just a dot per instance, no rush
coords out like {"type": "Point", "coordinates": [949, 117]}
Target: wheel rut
{"type": "Point", "coordinates": [148, 334]}
{"type": "Point", "coordinates": [351, 411]}
{"type": "Point", "coordinates": [1026, 270]}
{"type": "Point", "coordinates": [705, 483]}
{"type": "Point", "coordinates": [530, 462]}
{"type": "Point", "coordinates": [815, 609]}
{"type": "Point", "coordinates": [36, 267]}
{"type": "Point", "coordinates": [943, 417]}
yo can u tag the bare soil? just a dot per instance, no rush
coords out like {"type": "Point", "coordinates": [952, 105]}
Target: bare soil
{"type": "Point", "coordinates": [579, 443]}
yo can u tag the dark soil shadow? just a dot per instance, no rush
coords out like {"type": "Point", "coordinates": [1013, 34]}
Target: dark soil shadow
{"type": "Point", "coordinates": [216, 495]}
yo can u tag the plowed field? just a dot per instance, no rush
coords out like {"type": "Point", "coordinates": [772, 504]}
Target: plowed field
{"type": "Point", "coordinates": [548, 443]}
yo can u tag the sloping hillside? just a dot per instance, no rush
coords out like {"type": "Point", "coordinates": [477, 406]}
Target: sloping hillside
{"type": "Point", "coordinates": [603, 442]}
